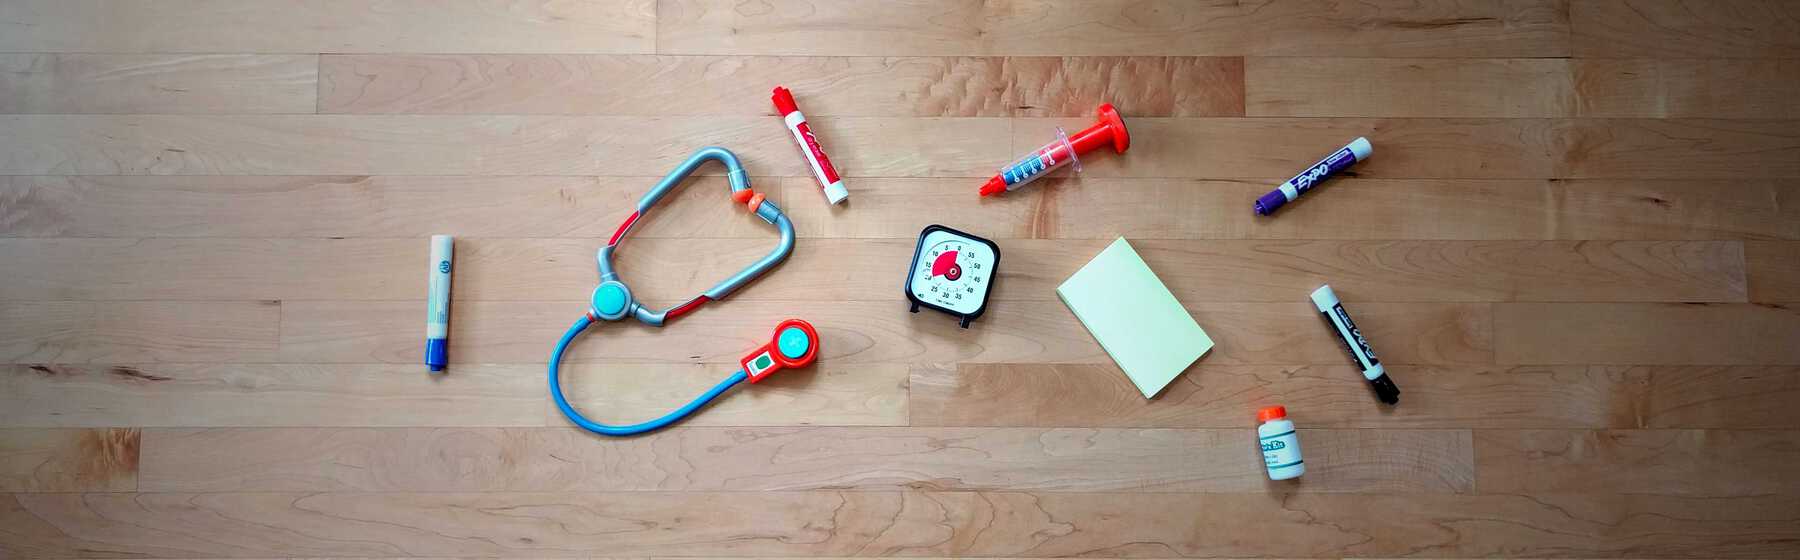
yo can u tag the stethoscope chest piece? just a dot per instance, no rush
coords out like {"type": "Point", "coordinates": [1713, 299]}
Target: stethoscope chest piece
{"type": "Point", "coordinates": [611, 301]}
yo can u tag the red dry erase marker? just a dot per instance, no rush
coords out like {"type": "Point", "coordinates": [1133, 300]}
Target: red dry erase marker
{"type": "Point", "coordinates": [809, 146]}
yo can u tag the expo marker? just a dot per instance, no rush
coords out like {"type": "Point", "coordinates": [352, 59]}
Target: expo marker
{"type": "Point", "coordinates": [1360, 352]}
{"type": "Point", "coordinates": [1358, 150]}
{"type": "Point", "coordinates": [826, 175]}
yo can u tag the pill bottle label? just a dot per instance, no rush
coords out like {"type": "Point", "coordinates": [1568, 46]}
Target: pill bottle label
{"type": "Point", "coordinates": [1281, 451]}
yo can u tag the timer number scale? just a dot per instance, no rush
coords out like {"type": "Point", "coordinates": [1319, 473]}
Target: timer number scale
{"type": "Point", "coordinates": [952, 272]}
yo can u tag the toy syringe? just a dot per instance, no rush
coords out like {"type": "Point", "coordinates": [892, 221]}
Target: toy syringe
{"type": "Point", "coordinates": [1063, 151]}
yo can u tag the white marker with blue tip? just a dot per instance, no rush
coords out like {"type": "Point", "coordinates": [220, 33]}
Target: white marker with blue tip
{"type": "Point", "coordinates": [437, 305]}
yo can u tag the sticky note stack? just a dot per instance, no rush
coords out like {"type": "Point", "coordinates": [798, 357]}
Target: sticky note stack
{"type": "Point", "coordinates": [1134, 317]}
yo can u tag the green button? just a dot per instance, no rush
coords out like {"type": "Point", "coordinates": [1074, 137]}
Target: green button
{"type": "Point", "coordinates": [762, 362]}
{"type": "Point", "coordinates": [793, 342]}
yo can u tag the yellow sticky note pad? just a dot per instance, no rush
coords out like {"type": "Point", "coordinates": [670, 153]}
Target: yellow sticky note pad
{"type": "Point", "coordinates": [1134, 317]}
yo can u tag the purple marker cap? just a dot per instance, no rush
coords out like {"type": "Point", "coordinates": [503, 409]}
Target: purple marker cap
{"type": "Point", "coordinates": [1269, 202]}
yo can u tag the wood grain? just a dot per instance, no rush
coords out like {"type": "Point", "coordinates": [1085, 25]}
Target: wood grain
{"type": "Point", "coordinates": [96, 460]}
{"type": "Point", "coordinates": [1666, 462]}
{"type": "Point", "coordinates": [477, 145]}
{"type": "Point", "coordinates": [303, 26]}
{"type": "Point", "coordinates": [1774, 270]}
{"type": "Point", "coordinates": [369, 206]}
{"type": "Point", "coordinates": [1321, 396]}
{"type": "Point", "coordinates": [137, 331]}
{"type": "Point", "coordinates": [1104, 208]}
{"type": "Point", "coordinates": [1400, 87]}
{"type": "Point", "coordinates": [1663, 149]}
{"type": "Point", "coordinates": [1152, 86]}
{"type": "Point", "coordinates": [200, 395]}
{"type": "Point", "coordinates": [856, 333]}
{"type": "Point", "coordinates": [1688, 88]}
{"type": "Point", "coordinates": [119, 83]}
{"type": "Point", "coordinates": [1332, 396]}
{"type": "Point", "coordinates": [1083, 208]}
{"type": "Point", "coordinates": [1187, 148]}
{"type": "Point", "coordinates": [1437, 28]}
{"type": "Point", "coordinates": [1685, 28]}
{"type": "Point", "coordinates": [771, 459]}
{"type": "Point", "coordinates": [511, 269]}
{"type": "Point", "coordinates": [1721, 397]}
{"type": "Point", "coordinates": [236, 525]}
{"type": "Point", "coordinates": [1646, 333]}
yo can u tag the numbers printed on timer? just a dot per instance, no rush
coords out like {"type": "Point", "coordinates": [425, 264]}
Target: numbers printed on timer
{"type": "Point", "coordinates": [953, 274]}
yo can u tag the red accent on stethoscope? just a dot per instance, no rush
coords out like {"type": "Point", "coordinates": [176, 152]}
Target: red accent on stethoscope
{"type": "Point", "coordinates": [686, 307]}
{"type": "Point", "coordinates": [617, 235]}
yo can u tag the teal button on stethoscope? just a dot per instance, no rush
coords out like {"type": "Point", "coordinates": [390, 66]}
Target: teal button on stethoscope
{"type": "Point", "coordinates": [793, 342]}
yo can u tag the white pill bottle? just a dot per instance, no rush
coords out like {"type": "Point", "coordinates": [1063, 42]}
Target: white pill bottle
{"type": "Point", "coordinates": [1280, 445]}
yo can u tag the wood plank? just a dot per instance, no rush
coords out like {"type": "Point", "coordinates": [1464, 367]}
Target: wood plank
{"type": "Point", "coordinates": [1723, 397]}
{"type": "Point", "coordinates": [199, 395]}
{"type": "Point", "coordinates": [137, 331]}
{"type": "Point", "coordinates": [235, 525]}
{"type": "Point", "coordinates": [1083, 208]}
{"type": "Point", "coordinates": [1646, 333]}
{"type": "Point", "coordinates": [1674, 209]}
{"type": "Point", "coordinates": [1688, 148]}
{"type": "Point", "coordinates": [868, 332]}
{"type": "Point", "coordinates": [783, 459]}
{"type": "Point", "coordinates": [481, 145]}
{"type": "Point", "coordinates": [300, 26]}
{"type": "Point", "coordinates": [1158, 86]}
{"type": "Point", "coordinates": [1104, 208]}
{"type": "Point", "coordinates": [863, 270]}
{"type": "Point", "coordinates": [1678, 462]}
{"type": "Point", "coordinates": [96, 460]}
{"type": "Point", "coordinates": [1774, 270]}
{"type": "Point", "coordinates": [1327, 396]}
{"type": "Point", "coordinates": [865, 146]}
{"type": "Point", "coordinates": [827, 394]}
{"type": "Point", "coordinates": [365, 206]}
{"type": "Point", "coordinates": [506, 395]}
{"type": "Point", "coordinates": [1685, 28]}
{"type": "Point", "coordinates": [1404, 87]}
{"type": "Point", "coordinates": [1434, 28]}
{"type": "Point", "coordinates": [1688, 88]}
{"type": "Point", "coordinates": [125, 83]}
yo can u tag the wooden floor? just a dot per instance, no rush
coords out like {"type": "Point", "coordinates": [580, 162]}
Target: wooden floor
{"type": "Point", "coordinates": [1577, 248]}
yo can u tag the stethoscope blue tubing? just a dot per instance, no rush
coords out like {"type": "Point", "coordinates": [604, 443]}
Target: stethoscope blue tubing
{"type": "Point", "coordinates": [634, 429]}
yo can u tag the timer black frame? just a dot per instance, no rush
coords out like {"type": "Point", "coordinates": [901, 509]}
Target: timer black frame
{"type": "Point", "coordinates": [919, 251]}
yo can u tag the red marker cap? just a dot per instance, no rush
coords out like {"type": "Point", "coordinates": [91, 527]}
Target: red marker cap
{"type": "Point", "coordinates": [784, 101]}
{"type": "Point", "coordinates": [1268, 413]}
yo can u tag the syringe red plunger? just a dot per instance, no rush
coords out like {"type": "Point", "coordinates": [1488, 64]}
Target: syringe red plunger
{"type": "Point", "coordinates": [1109, 130]}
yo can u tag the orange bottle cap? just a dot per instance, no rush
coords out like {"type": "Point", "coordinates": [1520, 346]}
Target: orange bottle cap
{"type": "Point", "coordinates": [1268, 413]}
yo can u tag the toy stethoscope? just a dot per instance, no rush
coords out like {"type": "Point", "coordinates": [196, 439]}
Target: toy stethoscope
{"type": "Point", "coordinates": [795, 343]}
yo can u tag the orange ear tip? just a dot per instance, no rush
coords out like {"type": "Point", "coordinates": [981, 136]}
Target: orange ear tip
{"type": "Point", "coordinates": [755, 201]}
{"type": "Point", "coordinates": [742, 195]}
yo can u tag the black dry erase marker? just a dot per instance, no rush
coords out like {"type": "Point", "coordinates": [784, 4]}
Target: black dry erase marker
{"type": "Point", "coordinates": [1360, 352]}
